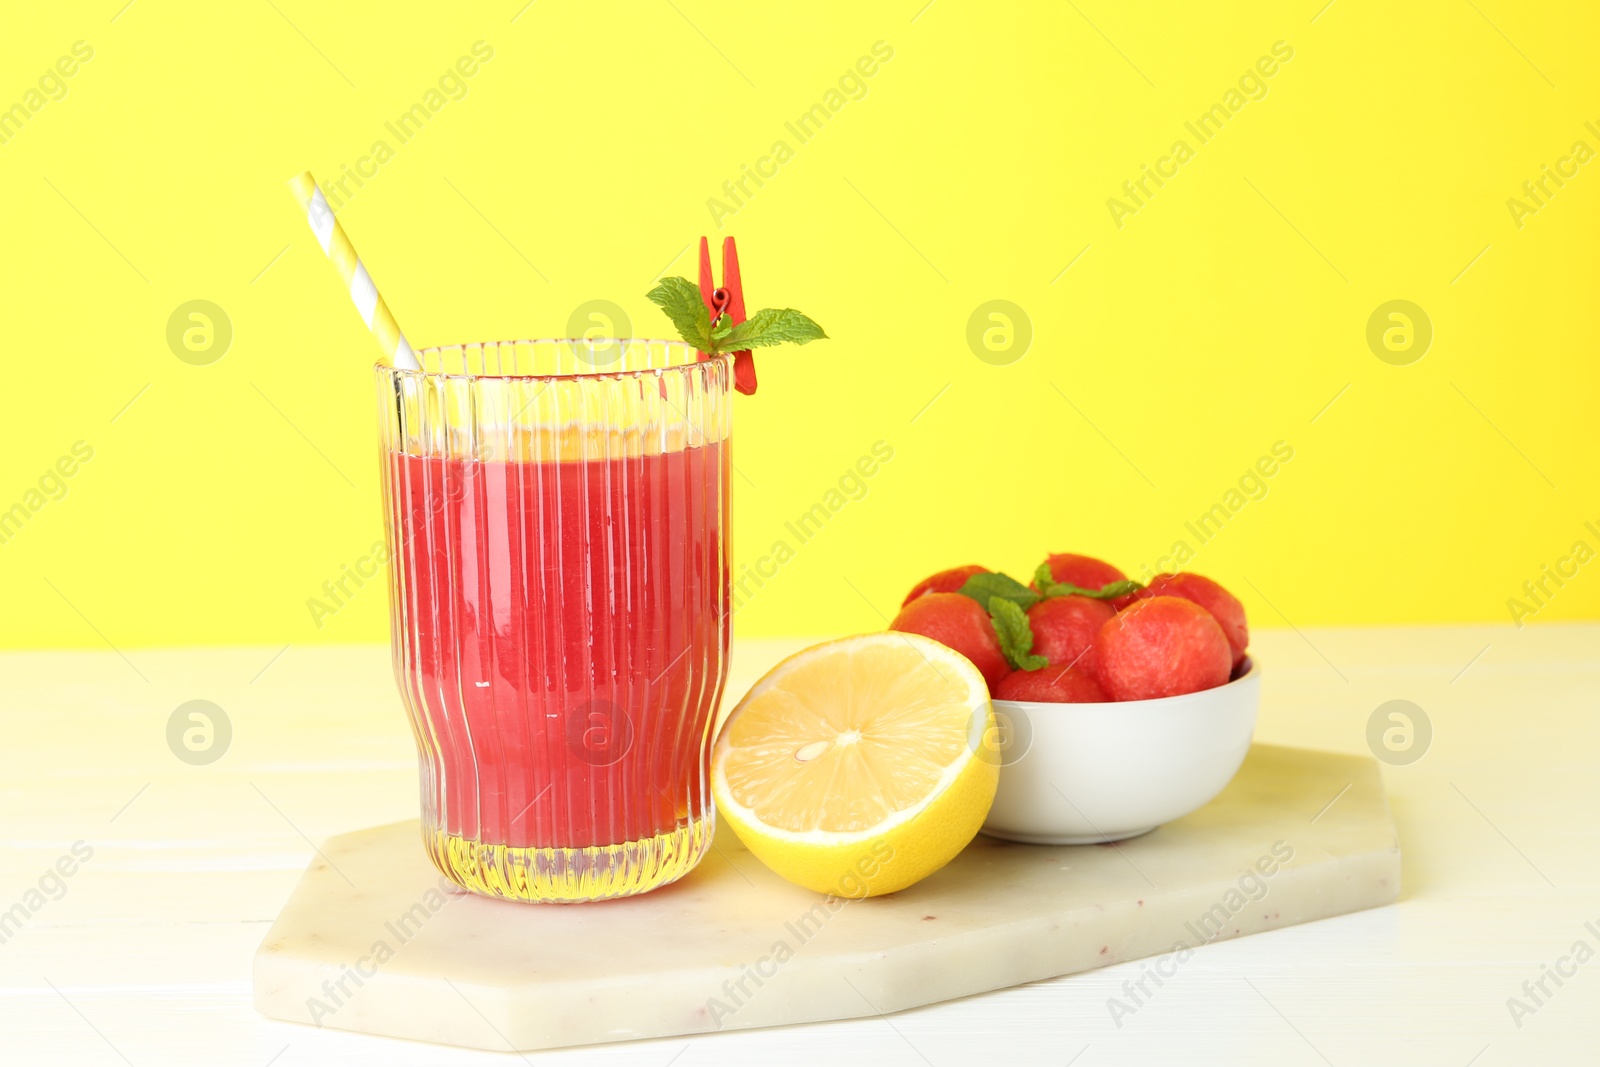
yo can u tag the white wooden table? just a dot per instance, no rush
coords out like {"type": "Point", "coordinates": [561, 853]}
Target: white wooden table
{"type": "Point", "coordinates": [142, 954]}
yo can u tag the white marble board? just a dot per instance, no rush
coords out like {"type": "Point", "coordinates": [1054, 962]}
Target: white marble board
{"type": "Point", "coordinates": [369, 942]}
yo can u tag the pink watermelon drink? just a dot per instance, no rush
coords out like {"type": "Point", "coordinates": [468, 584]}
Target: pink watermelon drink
{"type": "Point", "coordinates": [561, 610]}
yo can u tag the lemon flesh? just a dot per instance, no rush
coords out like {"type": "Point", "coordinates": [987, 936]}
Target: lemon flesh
{"type": "Point", "coordinates": [859, 766]}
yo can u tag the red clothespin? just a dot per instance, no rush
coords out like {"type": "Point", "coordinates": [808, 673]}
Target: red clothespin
{"type": "Point", "coordinates": [728, 300]}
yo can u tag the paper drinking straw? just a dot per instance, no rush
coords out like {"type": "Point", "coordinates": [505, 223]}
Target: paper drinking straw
{"type": "Point", "coordinates": [374, 312]}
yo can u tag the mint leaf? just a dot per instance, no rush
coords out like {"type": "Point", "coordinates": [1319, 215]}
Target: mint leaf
{"type": "Point", "coordinates": [773, 326]}
{"type": "Point", "coordinates": [1048, 587]}
{"type": "Point", "coordinates": [1016, 636]}
{"type": "Point", "coordinates": [1111, 590]}
{"type": "Point", "coordinates": [983, 587]}
{"type": "Point", "coordinates": [1043, 580]}
{"type": "Point", "coordinates": [680, 299]}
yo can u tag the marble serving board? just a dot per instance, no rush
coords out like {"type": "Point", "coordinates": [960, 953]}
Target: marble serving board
{"type": "Point", "coordinates": [371, 942]}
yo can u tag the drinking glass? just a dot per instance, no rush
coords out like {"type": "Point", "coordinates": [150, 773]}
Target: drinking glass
{"type": "Point", "coordinates": [557, 515]}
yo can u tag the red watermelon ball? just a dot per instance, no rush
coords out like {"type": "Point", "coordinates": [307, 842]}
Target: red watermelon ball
{"type": "Point", "coordinates": [958, 623]}
{"type": "Point", "coordinates": [949, 581]}
{"type": "Point", "coordinates": [1052, 685]}
{"type": "Point", "coordinates": [1064, 628]}
{"type": "Point", "coordinates": [1163, 646]}
{"type": "Point", "coordinates": [1085, 572]}
{"type": "Point", "coordinates": [1223, 605]}
{"type": "Point", "coordinates": [1119, 602]}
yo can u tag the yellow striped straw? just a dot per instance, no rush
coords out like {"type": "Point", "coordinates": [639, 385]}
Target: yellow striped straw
{"type": "Point", "coordinates": [374, 312]}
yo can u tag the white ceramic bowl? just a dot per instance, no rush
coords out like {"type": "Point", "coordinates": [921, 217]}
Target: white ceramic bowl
{"type": "Point", "coordinates": [1078, 774]}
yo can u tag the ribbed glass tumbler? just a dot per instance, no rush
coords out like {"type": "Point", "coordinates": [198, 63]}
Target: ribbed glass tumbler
{"type": "Point", "coordinates": [557, 516]}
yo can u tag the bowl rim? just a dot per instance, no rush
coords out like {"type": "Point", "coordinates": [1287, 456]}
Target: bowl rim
{"type": "Point", "coordinates": [1252, 671]}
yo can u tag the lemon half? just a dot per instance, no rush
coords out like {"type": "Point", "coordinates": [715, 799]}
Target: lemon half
{"type": "Point", "coordinates": [859, 766]}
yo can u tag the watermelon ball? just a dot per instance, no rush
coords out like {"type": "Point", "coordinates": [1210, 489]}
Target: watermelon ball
{"type": "Point", "coordinates": [958, 623]}
{"type": "Point", "coordinates": [948, 581]}
{"type": "Point", "coordinates": [1223, 605]}
{"type": "Point", "coordinates": [1085, 572]}
{"type": "Point", "coordinates": [1052, 685]}
{"type": "Point", "coordinates": [1120, 602]}
{"type": "Point", "coordinates": [1161, 647]}
{"type": "Point", "coordinates": [1064, 628]}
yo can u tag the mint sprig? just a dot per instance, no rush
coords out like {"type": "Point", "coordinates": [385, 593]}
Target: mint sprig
{"type": "Point", "coordinates": [985, 587]}
{"type": "Point", "coordinates": [1016, 636]}
{"type": "Point", "coordinates": [1049, 587]}
{"type": "Point", "coordinates": [1007, 601]}
{"type": "Point", "coordinates": [681, 300]}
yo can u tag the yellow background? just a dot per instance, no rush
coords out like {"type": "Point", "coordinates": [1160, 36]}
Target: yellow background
{"type": "Point", "coordinates": [1223, 317]}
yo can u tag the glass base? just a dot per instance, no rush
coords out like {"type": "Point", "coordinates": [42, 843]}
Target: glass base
{"type": "Point", "coordinates": [569, 875]}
